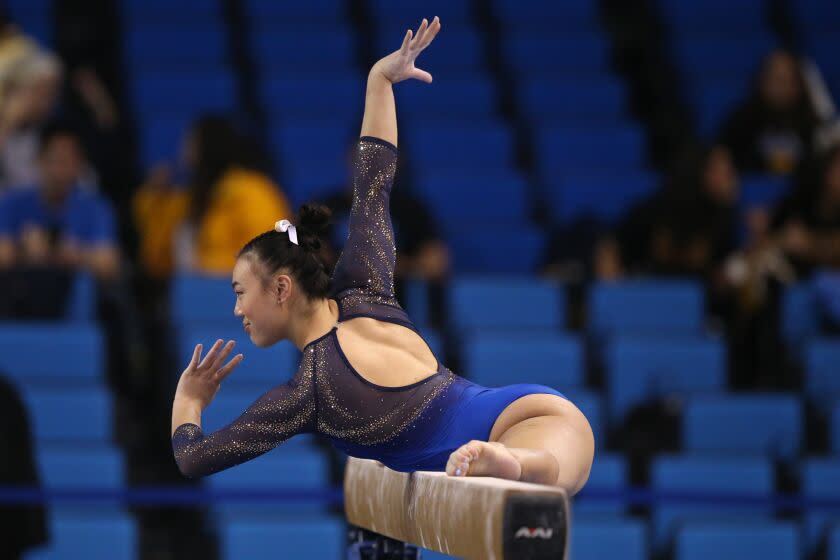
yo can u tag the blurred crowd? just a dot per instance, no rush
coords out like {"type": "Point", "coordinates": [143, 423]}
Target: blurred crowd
{"type": "Point", "coordinates": [73, 198]}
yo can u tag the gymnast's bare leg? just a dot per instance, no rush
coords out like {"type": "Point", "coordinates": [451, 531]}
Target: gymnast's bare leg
{"type": "Point", "coordinates": [538, 438]}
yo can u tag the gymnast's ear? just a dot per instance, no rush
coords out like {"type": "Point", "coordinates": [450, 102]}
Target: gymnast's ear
{"type": "Point", "coordinates": [282, 287]}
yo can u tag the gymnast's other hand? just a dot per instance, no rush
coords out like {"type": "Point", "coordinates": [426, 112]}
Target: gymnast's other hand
{"type": "Point", "coordinates": [201, 380]}
{"type": "Point", "coordinates": [399, 65]}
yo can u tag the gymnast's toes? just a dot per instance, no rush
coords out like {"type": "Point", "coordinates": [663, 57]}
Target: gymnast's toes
{"type": "Point", "coordinates": [481, 458]}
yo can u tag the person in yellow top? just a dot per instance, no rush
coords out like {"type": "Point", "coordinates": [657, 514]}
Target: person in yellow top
{"type": "Point", "coordinates": [227, 202]}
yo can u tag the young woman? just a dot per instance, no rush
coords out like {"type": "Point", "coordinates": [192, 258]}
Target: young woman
{"type": "Point", "coordinates": [367, 381]}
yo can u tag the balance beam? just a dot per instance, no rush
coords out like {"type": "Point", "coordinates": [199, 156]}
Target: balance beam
{"type": "Point", "coordinates": [473, 517]}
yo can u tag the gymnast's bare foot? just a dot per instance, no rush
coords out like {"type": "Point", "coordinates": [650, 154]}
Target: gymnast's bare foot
{"type": "Point", "coordinates": [482, 458]}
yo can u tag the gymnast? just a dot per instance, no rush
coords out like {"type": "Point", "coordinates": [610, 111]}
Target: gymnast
{"type": "Point", "coordinates": [367, 381]}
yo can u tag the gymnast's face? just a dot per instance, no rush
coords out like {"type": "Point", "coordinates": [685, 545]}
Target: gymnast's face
{"type": "Point", "coordinates": [262, 301]}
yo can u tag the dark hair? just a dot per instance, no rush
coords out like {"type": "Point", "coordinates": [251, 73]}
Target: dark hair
{"type": "Point", "coordinates": [55, 129]}
{"type": "Point", "coordinates": [219, 145]}
{"type": "Point", "coordinates": [275, 251]}
{"type": "Point", "coordinates": [803, 109]}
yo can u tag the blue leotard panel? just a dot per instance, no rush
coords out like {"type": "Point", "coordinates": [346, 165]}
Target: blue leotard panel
{"type": "Point", "coordinates": [407, 428]}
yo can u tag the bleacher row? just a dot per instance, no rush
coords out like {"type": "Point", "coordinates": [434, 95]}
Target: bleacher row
{"type": "Point", "coordinates": [589, 156]}
{"type": "Point", "coordinates": [649, 335]}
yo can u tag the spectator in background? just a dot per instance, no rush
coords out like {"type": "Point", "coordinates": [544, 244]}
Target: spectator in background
{"type": "Point", "coordinates": [807, 224]}
{"type": "Point", "coordinates": [772, 130]}
{"type": "Point", "coordinates": [228, 201]}
{"type": "Point", "coordinates": [14, 47]}
{"type": "Point", "coordinates": [58, 223]}
{"type": "Point", "coordinates": [688, 228]}
{"type": "Point", "coordinates": [28, 102]}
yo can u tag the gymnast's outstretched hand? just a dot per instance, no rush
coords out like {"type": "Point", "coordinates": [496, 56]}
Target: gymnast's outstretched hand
{"type": "Point", "coordinates": [201, 380]}
{"type": "Point", "coordinates": [399, 65]}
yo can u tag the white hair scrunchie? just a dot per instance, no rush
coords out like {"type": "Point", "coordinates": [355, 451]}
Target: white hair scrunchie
{"type": "Point", "coordinates": [285, 226]}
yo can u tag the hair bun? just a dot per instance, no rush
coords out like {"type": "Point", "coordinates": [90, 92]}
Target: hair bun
{"type": "Point", "coordinates": [313, 220]}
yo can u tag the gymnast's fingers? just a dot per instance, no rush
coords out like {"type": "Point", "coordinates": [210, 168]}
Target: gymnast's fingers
{"type": "Point", "coordinates": [406, 41]}
{"type": "Point", "coordinates": [431, 33]}
{"type": "Point", "coordinates": [421, 32]}
{"type": "Point", "coordinates": [225, 371]}
{"type": "Point", "coordinates": [211, 355]}
{"type": "Point", "coordinates": [217, 363]}
{"type": "Point", "coordinates": [196, 357]}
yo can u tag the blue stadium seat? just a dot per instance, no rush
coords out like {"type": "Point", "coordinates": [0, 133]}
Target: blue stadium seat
{"type": "Point", "coordinates": [70, 415]}
{"type": "Point", "coordinates": [82, 305]}
{"type": "Point", "coordinates": [458, 53]}
{"type": "Point", "coordinates": [76, 353]}
{"type": "Point", "coordinates": [646, 306]}
{"type": "Point", "coordinates": [319, 98]}
{"type": "Point", "coordinates": [292, 468]}
{"type": "Point", "coordinates": [183, 94]}
{"type": "Point", "coordinates": [609, 475]}
{"type": "Point", "coordinates": [189, 13]}
{"type": "Point", "coordinates": [33, 17]}
{"type": "Point", "coordinates": [513, 252]}
{"type": "Point", "coordinates": [710, 57]}
{"type": "Point", "coordinates": [257, 539]}
{"type": "Point", "coordinates": [769, 425]}
{"type": "Point", "coordinates": [835, 429]}
{"type": "Point", "coordinates": [768, 541]}
{"type": "Point", "coordinates": [262, 368]}
{"type": "Point", "coordinates": [714, 16]}
{"type": "Point", "coordinates": [800, 316]}
{"type": "Point", "coordinates": [497, 359]}
{"type": "Point", "coordinates": [748, 477]}
{"type": "Point", "coordinates": [834, 544]}
{"type": "Point", "coordinates": [640, 368]}
{"type": "Point", "coordinates": [600, 99]}
{"type": "Point", "coordinates": [453, 198]}
{"type": "Point", "coordinates": [408, 13]}
{"type": "Point", "coordinates": [87, 467]}
{"type": "Point", "coordinates": [305, 181]}
{"type": "Point", "coordinates": [819, 478]}
{"type": "Point", "coordinates": [603, 196]}
{"type": "Point", "coordinates": [458, 99]}
{"type": "Point", "coordinates": [524, 15]}
{"type": "Point", "coordinates": [202, 299]}
{"type": "Point", "coordinates": [762, 191]}
{"type": "Point", "coordinates": [816, 15]}
{"type": "Point", "coordinates": [332, 12]}
{"type": "Point", "coordinates": [591, 405]}
{"type": "Point", "coordinates": [93, 537]}
{"type": "Point", "coordinates": [620, 538]}
{"type": "Point", "coordinates": [307, 140]}
{"type": "Point", "coordinates": [713, 101]}
{"type": "Point", "coordinates": [614, 148]}
{"type": "Point", "coordinates": [167, 47]}
{"type": "Point", "coordinates": [505, 303]}
{"type": "Point", "coordinates": [483, 145]}
{"type": "Point", "coordinates": [577, 53]}
{"type": "Point", "coordinates": [296, 50]}
{"type": "Point", "coordinates": [822, 382]}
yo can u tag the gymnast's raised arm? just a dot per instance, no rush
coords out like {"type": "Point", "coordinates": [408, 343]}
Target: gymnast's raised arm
{"type": "Point", "coordinates": [380, 118]}
{"type": "Point", "coordinates": [367, 263]}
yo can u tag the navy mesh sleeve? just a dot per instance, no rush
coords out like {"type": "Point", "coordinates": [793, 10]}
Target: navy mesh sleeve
{"type": "Point", "coordinates": [368, 259]}
{"type": "Point", "coordinates": [280, 413]}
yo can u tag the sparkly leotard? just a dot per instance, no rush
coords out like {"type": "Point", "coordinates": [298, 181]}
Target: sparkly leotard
{"type": "Point", "coordinates": [413, 427]}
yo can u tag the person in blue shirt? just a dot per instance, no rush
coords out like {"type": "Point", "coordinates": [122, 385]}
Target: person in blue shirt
{"type": "Point", "coordinates": [367, 381]}
{"type": "Point", "coordinates": [59, 223]}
